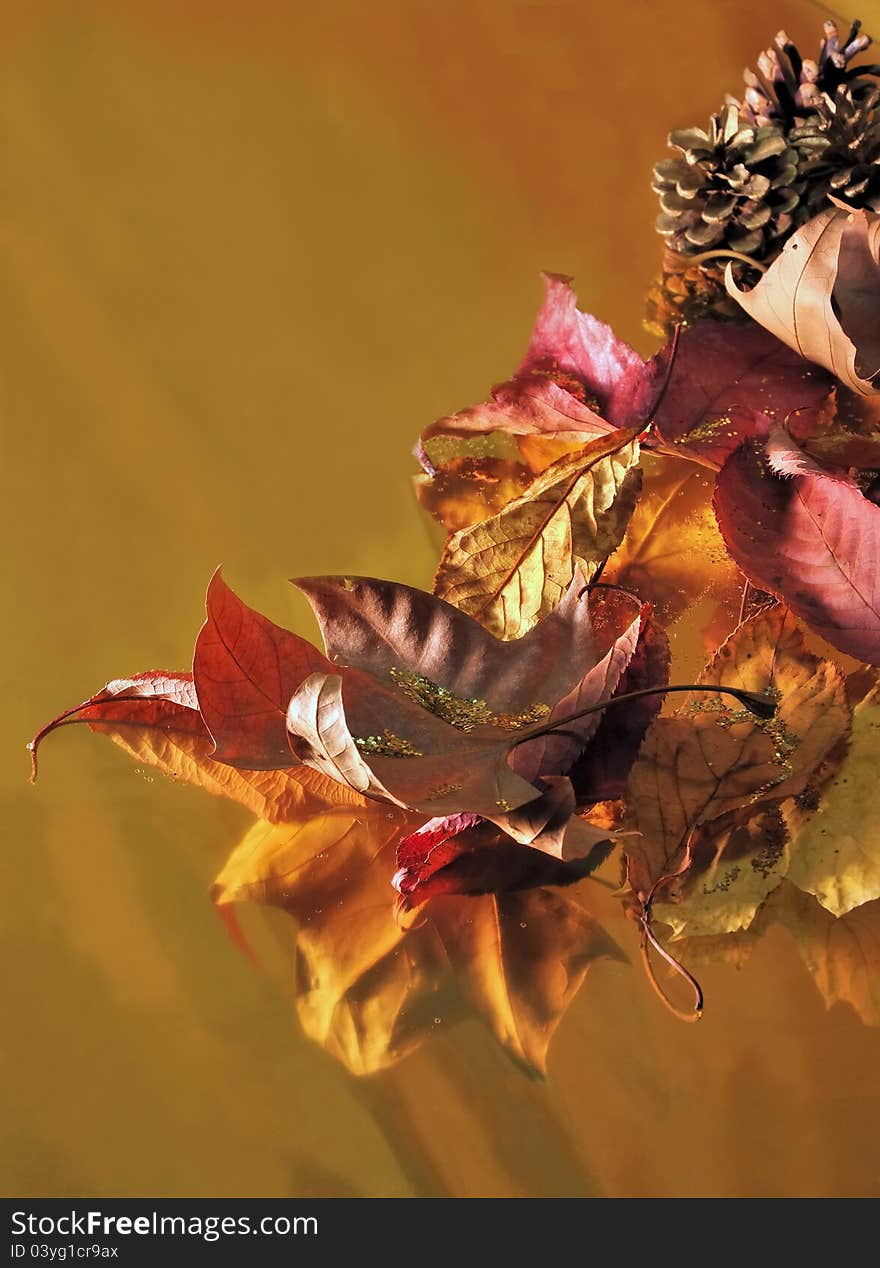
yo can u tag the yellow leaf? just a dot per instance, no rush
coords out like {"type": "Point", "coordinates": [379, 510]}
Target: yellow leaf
{"type": "Point", "coordinates": [672, 554]}
{"type": "Point", "coordinates": [711, 760]}
{"type": "Point", "coordinates": [748, 861]}
{"type": "Point", "coordinates": [836, 848]}
{"type": "Point", "coordinates": [512, 569]}
{"type": "Point", "coordinates": [280, 796]}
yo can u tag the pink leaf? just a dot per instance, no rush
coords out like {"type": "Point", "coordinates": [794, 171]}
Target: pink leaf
{"type": "Point", "coordinates": [811, 539]}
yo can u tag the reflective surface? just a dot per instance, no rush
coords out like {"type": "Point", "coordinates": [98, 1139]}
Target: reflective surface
{"type": "Point", "coordinates": [245, 259]}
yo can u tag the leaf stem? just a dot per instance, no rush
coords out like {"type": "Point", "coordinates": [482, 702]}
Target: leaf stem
{"type": "Point", "coordinates": [705, 256]}
{"type": "Point", "coordinates": [760, 706]}
{"type": "Point", "coordinates": [649, 938]}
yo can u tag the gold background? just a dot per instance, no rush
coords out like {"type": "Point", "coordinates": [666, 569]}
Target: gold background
{"type": "Point", "coordinates": [248, 250]}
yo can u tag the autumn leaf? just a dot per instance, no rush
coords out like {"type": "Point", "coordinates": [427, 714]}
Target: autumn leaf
{"type": "Point", "coordinates": [600, 773]}
{"type": "Point", "coordinates": [732, 870]}
{"type": "Point", "coordinates": [512, 569]}
{"type": "Point", "coordinates": [727, 381]}
{"type": "Point", "coordinates": [576, 378]}
{"type": "Point", "coordinates": [155, 718]}
{"type": "Point", "coordinates": [821, 295]}
{"type": "Point", "coordinates": [245, 670]}
{"type": "Point", "coordinates": [430, 711]}
{"type": "Point", "coordinates": [672, 554]}
{"type": "Point", "coordinates": [710, 760]}
{"type": "Point", "coordinates": [811, 540]}
{"type": "Point", "coordinates": [836, 845]}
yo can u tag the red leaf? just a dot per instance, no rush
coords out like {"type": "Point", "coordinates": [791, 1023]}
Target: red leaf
{"type": "Point", "coordinates": [155, 718]}
{"type": "Point", "coordinates": [601, 772]}
{"type": "Point", "coordinates": [811, 539]}
{"type": "Point", "coordinates": [445, 857]}
{"type": "Point", "coordinates": [157, 698]}
{"type": "Point", "coordinates": [576, 378]}
{"type": "Point", "coordinates": [726, 379]}
{"type": "Point", "coordinates": [245, 670]}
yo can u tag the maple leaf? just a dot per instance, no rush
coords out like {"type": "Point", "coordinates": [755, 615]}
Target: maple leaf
{"type": "Point", "coordinates": [155, 718]}
{"type": "Point", "coordinates": [511, 570]}
{"type": "Point", "coordinates": [710, 761]}
{"type": "Point", "coordinates": [576, 378]}
{"type": "Point", "coordinates": [245, 670]}
{"type": "Point", "coordinates": [836, 844]}
{"type": "Point", "coordinates": [811, 539]}
{"type": "Point", "coordinates": [821, 295]}
{"type": "Point", "coordinates": [727, 383]}
{"type": "Point", "coordinates": [428, 710]}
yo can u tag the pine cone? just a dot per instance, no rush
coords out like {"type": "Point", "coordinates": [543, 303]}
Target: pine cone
{"type": "Point", "coordinates": [786, 88]}
{"type": "Point", "coordinates": [764, 166]}
{"type": "Point", "coordinates": [733, 187]}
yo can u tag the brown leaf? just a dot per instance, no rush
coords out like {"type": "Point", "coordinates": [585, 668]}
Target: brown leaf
{"type": "Point", "coordinates": [821, 295]}
{"type": "Point", "coordinates": [429, 710]}
{"type": "Point", "coordinates": [709, 759]}
{"type": "Point", "coordinates": [732, 871]}
{"type": "Point", "coordinates": [512, 569]}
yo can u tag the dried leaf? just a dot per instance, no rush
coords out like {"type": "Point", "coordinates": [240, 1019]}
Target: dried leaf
{"type": "Point", "coordinates": [511, 570]}
{"type": "Point", "coordinates": [710, 760]}
{"type": "Point", "coordinates": [836, 847]}
{"type": "Point", "coordinates": [726, 380]}
{"type": "Point", "coordinates": [821, 295]}
{"type": "Point", "coordinates": [577, 378]}
{"type": "Point", "coordinates": [438, 709]}
{"type": "Point", "coordinates": [245, 670]}
{"type": "Point", "coordinates": [672, 554]}
{"type": "Point", "coordinates": [811, 540]}
{"type": "Point", "coordinates": [731, 874]}
{"type": "Point", "coordinates": [155, 718]}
